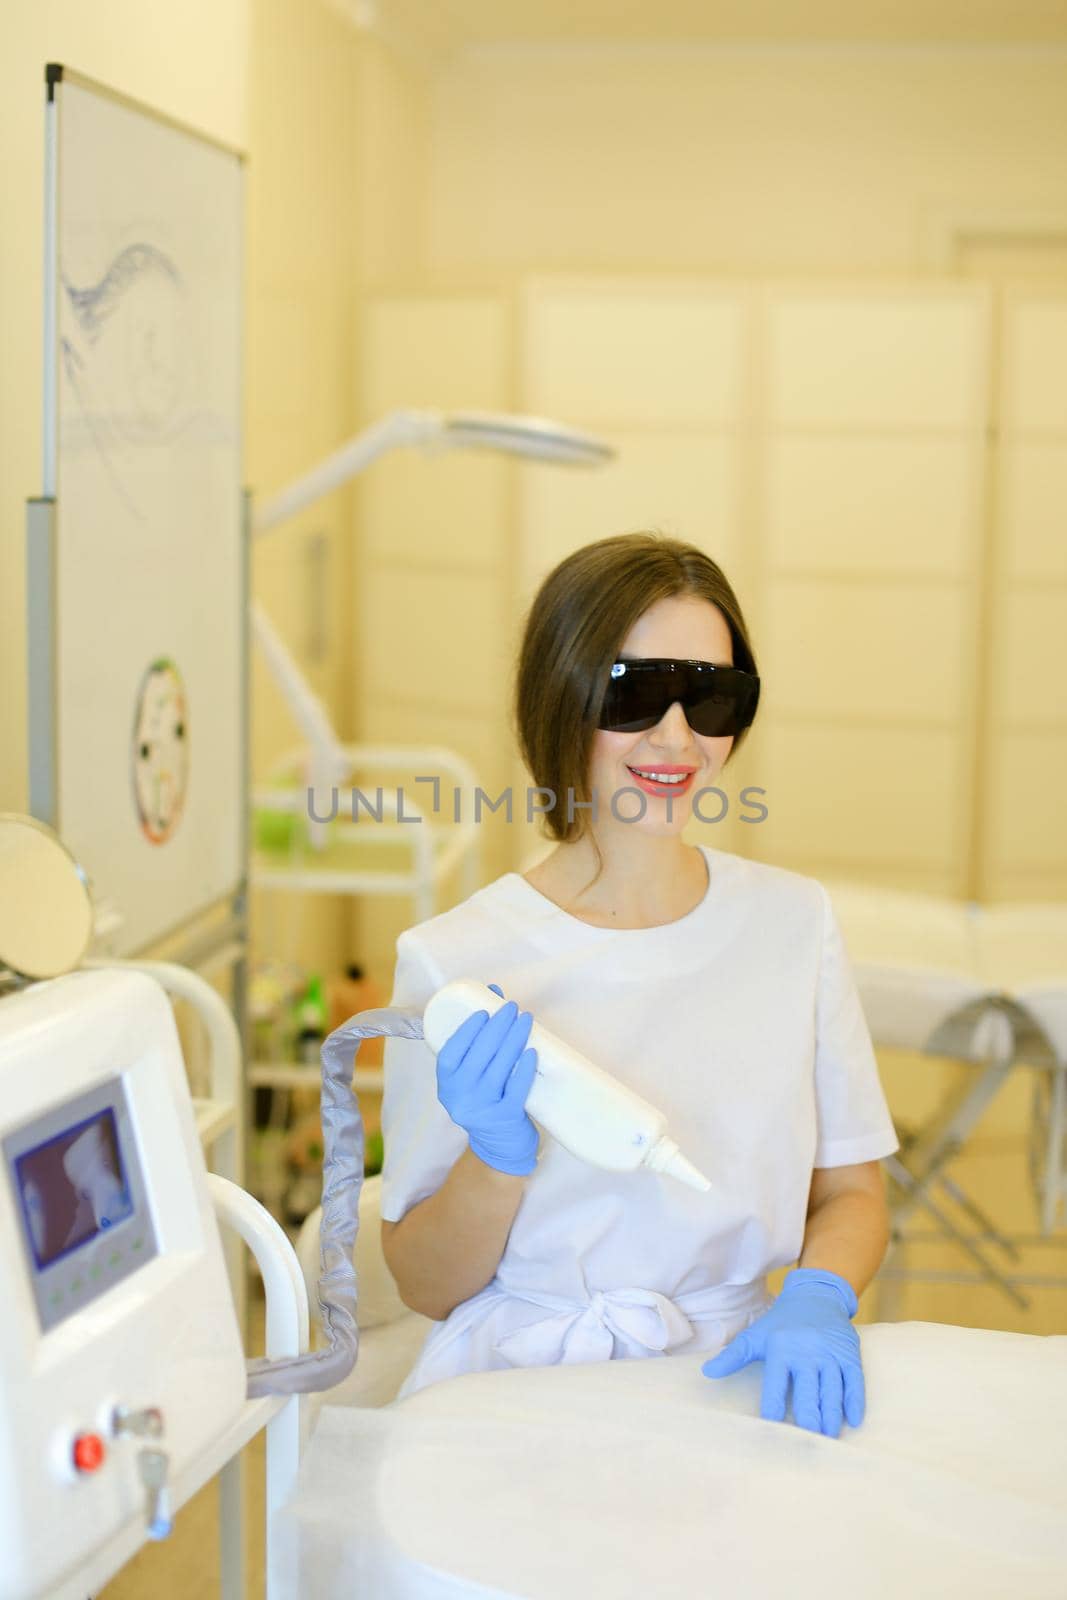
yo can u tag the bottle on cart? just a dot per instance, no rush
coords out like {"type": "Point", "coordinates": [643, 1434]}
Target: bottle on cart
{"type": "Point", "coordinates": [311, 1021]}
{"type": "Point", "coordinates": [353, 992]}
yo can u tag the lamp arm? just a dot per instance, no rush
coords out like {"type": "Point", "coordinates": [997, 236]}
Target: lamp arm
{"type": "Point", "coordinates": [308, 710]}
{"type": "Point", "coordinates": [398, 429]}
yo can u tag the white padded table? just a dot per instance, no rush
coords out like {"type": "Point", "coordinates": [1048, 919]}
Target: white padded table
{"type": "Point", "coordinates": [919, 958]}
{"type": "Point", "coordinates": [895, 938]}
{"type": "Point", "coordinates": [639, 1478]}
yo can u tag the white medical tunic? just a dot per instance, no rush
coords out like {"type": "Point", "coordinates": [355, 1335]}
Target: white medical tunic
{"type": "Point", "coordinates": [740, 1021]}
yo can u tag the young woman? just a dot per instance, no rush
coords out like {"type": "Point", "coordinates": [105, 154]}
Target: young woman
{"type": "Point", "coordinates": [715, 986]}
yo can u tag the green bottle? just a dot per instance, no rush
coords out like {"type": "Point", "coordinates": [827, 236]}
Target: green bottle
{"type": "Point", "coordinates": [311, 1015]}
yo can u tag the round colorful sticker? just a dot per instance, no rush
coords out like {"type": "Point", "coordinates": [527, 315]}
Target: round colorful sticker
{"type": "Point", "coordinates": [160, 755]}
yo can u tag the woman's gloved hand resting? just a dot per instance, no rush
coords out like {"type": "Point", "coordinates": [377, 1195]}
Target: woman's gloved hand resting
{"type": "Point", "coordinates": [484, 1073]}
{"type": "Point", "coordinates": [806, 1335]}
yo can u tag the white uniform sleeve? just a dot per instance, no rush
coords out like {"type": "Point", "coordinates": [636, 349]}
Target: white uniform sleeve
{"type": "Point", "coordinates": [420, 1141]}
{"type": "Point", "coordinates": [854, 1123]}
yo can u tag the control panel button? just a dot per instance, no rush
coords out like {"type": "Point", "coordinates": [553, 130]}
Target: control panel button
{"type": "Point", "coordinates": [88, 1452]}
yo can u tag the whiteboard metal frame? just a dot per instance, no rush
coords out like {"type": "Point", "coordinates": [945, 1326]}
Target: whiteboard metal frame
{"type": "Point", "coordinates": [42, 557]}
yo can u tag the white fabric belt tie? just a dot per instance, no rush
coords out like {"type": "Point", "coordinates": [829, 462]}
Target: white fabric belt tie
{"type": "Point", "coordinates": [635, 1317]}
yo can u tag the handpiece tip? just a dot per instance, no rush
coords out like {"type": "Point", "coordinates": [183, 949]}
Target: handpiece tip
{"type": "Point", "coordinates": [678, 1167]}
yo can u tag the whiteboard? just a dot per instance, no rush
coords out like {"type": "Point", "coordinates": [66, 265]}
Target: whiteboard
{"type": "Point", "coordinates": [138, 758]}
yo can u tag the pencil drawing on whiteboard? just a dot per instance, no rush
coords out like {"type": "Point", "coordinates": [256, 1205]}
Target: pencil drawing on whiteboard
{"type": "Point", "coordinates": [159, 766]}
{"type": "Point", "coordinates": [126, 345]}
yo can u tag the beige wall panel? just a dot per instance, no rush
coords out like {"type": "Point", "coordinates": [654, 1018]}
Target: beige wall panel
{"type": "Point", "coordinates": [279, 355]}
{"type": "Point", "coordinates": [1042, 883]}
{"type": "Point", "coordinates": [449, 510]}
{"type": "Point", "coordinates": [854, 650]}
{"type": "Point", "coordinates": [686, 485]}
{"type": "Point", "coordinates": [1028, 829]}
{"type": "Point", "coordinates": [871, 504]}
{"type": "Point", "coordinates": [390, 99]}
{"type": "Point", "coordinates": [431, 638]}
{"type": "Point", "coordinates": [1030, 684]}
{"type": "Point", "coordinates": [281, 452]}
{"type": "Point", "coordinates": [662, 355]}
{"type": "Point", "coordinates": [913, 360]}
{"type": "Point", "coordinates": [1033, 507]}
{"type": "Point", "coordinates": [1025, 833]}
{"type": "Point", "coordinates": [854, 796]}
{"type": "Point", "coordinates": [1034, 392]}
{"type": "Point", "coordinates": [439, 352]}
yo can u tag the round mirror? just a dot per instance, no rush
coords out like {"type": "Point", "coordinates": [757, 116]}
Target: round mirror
{"type": "Point", "coordinates": [46, 912]}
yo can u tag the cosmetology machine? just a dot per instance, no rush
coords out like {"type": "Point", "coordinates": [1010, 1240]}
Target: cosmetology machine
{"type": "Point", "coordinates": [120, 1354]}
{"type": "Point", "coordinates": [123, 1383]}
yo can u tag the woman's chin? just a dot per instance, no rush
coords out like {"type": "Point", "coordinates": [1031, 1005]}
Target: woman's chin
{"type": "Point", "coordinates": [655, 820]}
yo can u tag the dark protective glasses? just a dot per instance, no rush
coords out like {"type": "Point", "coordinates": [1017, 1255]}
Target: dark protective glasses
{"type": "Point", "coordinates": [717, 701]}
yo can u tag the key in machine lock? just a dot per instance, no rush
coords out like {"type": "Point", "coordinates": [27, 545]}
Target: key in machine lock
{"type": "Point", "coordinates": [152, 1464]}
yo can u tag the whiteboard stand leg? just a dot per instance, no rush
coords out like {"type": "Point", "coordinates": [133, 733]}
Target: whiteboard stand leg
{"type": "Point", "coordinates": [41, 651]}
{"type": "Point", "coordinates": [225, 1160]}
{"type": "Point", "coordinates": [234, 1148]}
{"type": "Point", "coordinates": [229, 1162]}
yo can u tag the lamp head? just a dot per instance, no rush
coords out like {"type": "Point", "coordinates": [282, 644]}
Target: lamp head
{"type": "Point", "coordinates": [534, 437]}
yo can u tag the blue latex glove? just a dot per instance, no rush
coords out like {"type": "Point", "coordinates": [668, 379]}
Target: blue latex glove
{"type": "Point", "coordinates": [484, 1073]}
{"type": "Point", "coordinates": [806, 1335]}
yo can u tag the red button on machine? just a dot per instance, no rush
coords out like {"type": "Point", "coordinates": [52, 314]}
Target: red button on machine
{"type": "Point", "coordinates": [88, 1452]}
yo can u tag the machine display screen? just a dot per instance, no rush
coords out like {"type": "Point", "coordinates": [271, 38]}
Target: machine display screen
{"type": "Point", "coordinates": [73, 1187]}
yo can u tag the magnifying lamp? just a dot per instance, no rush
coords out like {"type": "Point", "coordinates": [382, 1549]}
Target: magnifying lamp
{"type": "Point", "coordinates": [535, 438]}
{"type": "Point", "coordinates": [46, 910]}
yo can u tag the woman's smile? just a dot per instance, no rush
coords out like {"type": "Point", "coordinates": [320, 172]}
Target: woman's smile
{"type": "Point", "coordinates": [663, 780]}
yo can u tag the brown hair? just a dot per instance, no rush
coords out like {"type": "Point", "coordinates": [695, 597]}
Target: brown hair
{"type": "Point", "coordinates": [573, 631]}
